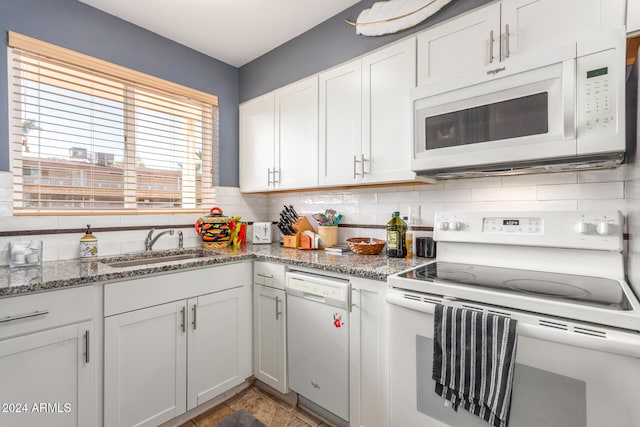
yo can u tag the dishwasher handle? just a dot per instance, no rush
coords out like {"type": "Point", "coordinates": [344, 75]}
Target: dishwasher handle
{"type": "Point", "coordinates": [313, 297]}
{"type": "Point", "coordinates": [317, 288]}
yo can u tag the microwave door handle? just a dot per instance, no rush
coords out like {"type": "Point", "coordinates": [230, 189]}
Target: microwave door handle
{"type": "Point", "coordinates": [569, 99]}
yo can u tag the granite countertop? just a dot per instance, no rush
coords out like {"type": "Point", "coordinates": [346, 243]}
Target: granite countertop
{"type": "Point", "coordinates": [62, 274]}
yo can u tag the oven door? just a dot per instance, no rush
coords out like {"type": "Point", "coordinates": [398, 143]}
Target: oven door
{"type": "Point", "coordinates": [525, 112]}
{"type": "Point", "coordinates": [561, 378]}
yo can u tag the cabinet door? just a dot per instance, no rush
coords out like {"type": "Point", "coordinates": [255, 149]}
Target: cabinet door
{"type": "Point", "coordinates": [540, 24]}
{"type": "Point", "coordinates": [269, 337]}
{"type": "Point", "coordinates": [219, 347]}
{"type": "Point", "coordinates": [48, 378]}
{"type": "Point", "coordinates": [341, 124]}
{"type": "Point", "coordinates": [369, 370]}
{"type": "Point", "coordinates": [145, 366]}
{"type": "Point", "coordinates": [469, 42]}
{"type": "Point", "coordinates": [297, 135]}
{"type": "Point", "coordinates": [388, 76]}
{"type": "Point", "coordinates": [257, 141]}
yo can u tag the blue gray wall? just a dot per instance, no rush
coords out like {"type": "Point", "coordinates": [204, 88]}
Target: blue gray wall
{"type": "Point", "coordinates": [328, 44]}
{"type": "Point", "coordinates": [79, 27]}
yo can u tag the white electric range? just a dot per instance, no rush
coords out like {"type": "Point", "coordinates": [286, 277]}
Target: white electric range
{"type": "Point", "coordinates": [561, 276]}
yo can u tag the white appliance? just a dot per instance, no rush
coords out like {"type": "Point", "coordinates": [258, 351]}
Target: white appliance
{"type": "Point", "coordinates": [262, 233]}
{"type": "Point", "coordinates": [318, 342]}
{"type": "Point", "coordinates": [561, 276]}
{"type": "Point", "coordinates": [559, 109]}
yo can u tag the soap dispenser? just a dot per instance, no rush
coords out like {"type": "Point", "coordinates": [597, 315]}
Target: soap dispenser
{"type": "Point", "coordinates": [88, 245]}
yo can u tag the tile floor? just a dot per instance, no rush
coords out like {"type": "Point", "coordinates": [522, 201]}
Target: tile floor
{"type": "Point", "coordinates": [273, 412]}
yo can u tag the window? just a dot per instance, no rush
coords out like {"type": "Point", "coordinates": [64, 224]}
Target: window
{"type": "Point", "coordinates": [91, 135]}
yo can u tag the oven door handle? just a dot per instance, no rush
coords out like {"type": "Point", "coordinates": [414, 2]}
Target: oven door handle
{"type": "Point", "coordinates": [615, 342]}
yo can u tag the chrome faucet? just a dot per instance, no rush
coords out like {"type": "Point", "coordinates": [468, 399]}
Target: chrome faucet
{"type": "Point", "coordinates": [150, 240]}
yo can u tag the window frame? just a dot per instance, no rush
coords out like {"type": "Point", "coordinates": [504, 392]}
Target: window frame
{"type": "Point", "coordinates": [210, 160]}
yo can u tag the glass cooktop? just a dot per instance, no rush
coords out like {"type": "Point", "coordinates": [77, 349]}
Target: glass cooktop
{"type": "Point", "coordinates": [585, 290]}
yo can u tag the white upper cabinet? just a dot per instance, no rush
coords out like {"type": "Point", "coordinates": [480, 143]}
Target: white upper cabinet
{"type": "Point", "coordinates": [388, 76]}
{"type": "Point", "coordinates": [257, 143]}
{"type": "Point", "coordinates": [296, 135]}
{"type": "Point", "coordinates": [532, 25]}
{"type": "Point", "coordinates": [341, 124]}
{"type": "Point", "coordinates": [279, 139]}
{"type": "Point", "coordinates": [365, 128]}
{"type": "Point", "coordinates": [469, 42]}
{"type": "Point", "coordinates": [503, 31]}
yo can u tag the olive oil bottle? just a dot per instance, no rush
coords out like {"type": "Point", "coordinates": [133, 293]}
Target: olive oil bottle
{"type": "Point", "coordinates": [396, 236]}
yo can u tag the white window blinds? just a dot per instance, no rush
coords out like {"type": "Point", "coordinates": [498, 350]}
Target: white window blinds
{"type": "Point", "coordinates": [89, 135]}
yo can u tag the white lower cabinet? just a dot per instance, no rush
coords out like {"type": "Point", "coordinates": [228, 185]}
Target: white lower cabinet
{"type": "Point", "coordinates": [145, 366]}
{"type": "Point", "coordinates": [47, 359]}
{"type": "Point", "coordinates": [269, 326]}
{"type": "Point", "coordinates": [368, 354]}
{"type": "Point", "coordinates": [219, 343]}
{"type": "Point", "coordinates": [165, 359]}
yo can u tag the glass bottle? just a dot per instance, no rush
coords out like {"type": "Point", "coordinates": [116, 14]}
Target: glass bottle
{"type": "Point", "coordinates": [396, 235]}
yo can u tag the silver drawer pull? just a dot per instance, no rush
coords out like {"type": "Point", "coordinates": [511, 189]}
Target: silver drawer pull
{"type": "Point", "coordinates": [266, 276]}
{"type": "Point", "coordinates": [24, 316]}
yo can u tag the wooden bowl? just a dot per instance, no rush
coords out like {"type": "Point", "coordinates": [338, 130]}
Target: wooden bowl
{"type": "Point", "coordinates": [365, 245]}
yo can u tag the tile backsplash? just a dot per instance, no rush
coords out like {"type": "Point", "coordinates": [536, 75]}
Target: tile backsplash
{"type": "Point", "coordinates": [593, 190]}
{"type": "Point", "coordinates": [590, 190]}
{"type": "Point", "coordinates": [66, 246]}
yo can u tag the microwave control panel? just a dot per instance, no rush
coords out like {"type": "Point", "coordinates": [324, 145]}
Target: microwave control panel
{"type": "Point", "coordinates": [597, 93]}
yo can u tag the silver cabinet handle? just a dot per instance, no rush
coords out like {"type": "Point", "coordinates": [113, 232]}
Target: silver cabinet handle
{"type": "Point", "coordinates": [506, 40]}
{"type": "Point", "coordinates": [86, 346]}
{"type": "Point", "coordinates": [491, 47]}
{"type": "Point", "coordinates": [274, 176]}
{"type": "Point", "coordinates": [183, 312]}
{"type": "Point", "coordinates": [350, 302]}
{"type": "Point", "coordinates": [278, 313]}
{"type": "Point", "coordinates": [355, 162]}
{"type": "Point", "coordinates": [194, 317]}
{"type": "Point", "coordinates": [24, 316]}
{"type": "Point", "coordinates": [269, 182]}
{"type": "Point", "coordinates": [363, 160]}
{"type": "Point", "coordinates": [266, 276]}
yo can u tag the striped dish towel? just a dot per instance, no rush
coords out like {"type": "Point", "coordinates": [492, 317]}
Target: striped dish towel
{"type": "Point", "coordinates": [473, 361]}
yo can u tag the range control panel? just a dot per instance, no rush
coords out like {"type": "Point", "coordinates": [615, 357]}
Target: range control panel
{"type": "Point", "coordinates": [513, 225]}
{"type": "Point", "coordinates": [564, 229]}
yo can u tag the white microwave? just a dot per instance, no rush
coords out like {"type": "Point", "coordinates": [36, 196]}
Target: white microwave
{"type": "Point", "coordinates": [561, 109]}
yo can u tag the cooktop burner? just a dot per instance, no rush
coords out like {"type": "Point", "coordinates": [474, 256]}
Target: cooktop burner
{"type": "Point", "coordinates": [596, 291]}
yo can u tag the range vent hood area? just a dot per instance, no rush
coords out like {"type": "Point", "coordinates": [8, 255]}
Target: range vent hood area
{"type": "Point", "coordinates": [570, 164]}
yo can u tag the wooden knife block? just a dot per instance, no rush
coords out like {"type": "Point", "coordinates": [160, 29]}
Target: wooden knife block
{"type": "Point", "coordinates": [293, 241]}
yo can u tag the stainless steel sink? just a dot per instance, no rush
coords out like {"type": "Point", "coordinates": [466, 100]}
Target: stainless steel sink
{"type": "Point", "coordinates": [154, 259]}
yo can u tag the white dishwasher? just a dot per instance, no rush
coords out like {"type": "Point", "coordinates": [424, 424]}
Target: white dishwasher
{"type": "Point", "coordinates": [318, 340]}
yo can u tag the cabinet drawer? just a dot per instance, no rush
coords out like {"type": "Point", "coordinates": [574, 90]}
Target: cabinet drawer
{"type": "Point", "coordinates": [269, 274]}
{"type": "Point", "coordinates": [135, 294]}
{"type": "Point", "coordinates": [29, 313]}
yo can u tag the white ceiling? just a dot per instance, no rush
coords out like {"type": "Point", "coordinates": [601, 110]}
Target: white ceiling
{"type": "Point", "coordinates": [233, 31]}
